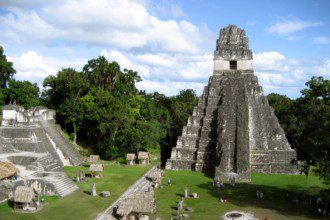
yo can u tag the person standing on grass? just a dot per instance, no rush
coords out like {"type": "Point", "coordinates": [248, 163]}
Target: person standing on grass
{"type": "Point", "coordinates": [222, 185]}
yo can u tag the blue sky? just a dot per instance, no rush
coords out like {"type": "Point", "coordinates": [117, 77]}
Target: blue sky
{"type": "Point", "coordinates": [170, 43]}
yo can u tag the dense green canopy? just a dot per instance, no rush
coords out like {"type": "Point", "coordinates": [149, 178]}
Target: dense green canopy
{"type": "Point", "coordinates": [306, 121]}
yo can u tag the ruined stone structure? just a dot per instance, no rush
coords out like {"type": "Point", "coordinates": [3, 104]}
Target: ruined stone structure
{"type": "Point", "coordinates": [32, 141]}
{"type": "Point", "coordinates": [233, 131]}
{"type": "Point", "coordinates": [138, 201]}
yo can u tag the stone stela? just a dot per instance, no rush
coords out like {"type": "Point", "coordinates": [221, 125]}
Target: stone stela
{"type": "Point", "coordinates": [233, 130]}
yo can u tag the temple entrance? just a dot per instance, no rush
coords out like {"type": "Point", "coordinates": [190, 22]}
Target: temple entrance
{"type": "Point", "coordinates": [233, 64]}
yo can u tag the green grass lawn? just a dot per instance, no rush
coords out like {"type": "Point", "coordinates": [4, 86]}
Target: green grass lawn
{"type": "Point", "coordinates": [242, 197]}
{"type": "Point", "coordinates": [80, 205]}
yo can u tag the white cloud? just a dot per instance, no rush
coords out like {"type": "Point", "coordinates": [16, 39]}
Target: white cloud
{"type": "Point", "coordinates": [169, 88]}
{"type": "Point", "coordinates": [118, 57]}
{"type": "Point", "coordinates": [271, 61]}
{"type": "Point", "coordinates": [167, 9]}
{"type": "Point", "coordinates": [285, 26]}
{"type": "Point", "coordinates": [166, 66]}
{"type": "Point", "coordinates": [121, 24]}
{"type": "Point", "coordinates": [322, 69]}
{"type": "Point", "coordinates": [155, 59]}
{"type": "Point", "coordinates": [30, 65]}
{"type": "Point", "coordinates": [283, 75]}
{"type": "Point", "coordinates": [321, 40]}
{"type": "Point", "coordinates": [34, 67]}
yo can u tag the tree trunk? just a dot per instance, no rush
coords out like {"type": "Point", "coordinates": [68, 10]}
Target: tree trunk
{"type": "Point", "coordinates": [114, 135]}
{"type": "Point", "coordinates": [75, 133]}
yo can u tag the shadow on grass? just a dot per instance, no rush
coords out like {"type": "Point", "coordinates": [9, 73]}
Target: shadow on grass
{"type": "Point", "coordinates": [277, 199]}
{"type": "Point", "coordinates": [87, 192]}
{"type": "Point", "coordinates": [174, 208]}
{"type": "Point", "coordinates": [10, 203]}
{"type": "Point", "coordinates": [209, 175]}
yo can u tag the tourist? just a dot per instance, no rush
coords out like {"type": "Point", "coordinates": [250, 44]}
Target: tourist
{"type": "Point", "coordinates": [217, 184]}
{"type": "Point", "coordinates": [214, 183]}
{"type": "Point", "coordinates": [37, 204]}
{"type": "Point", "coordinates": [261, 195]}
{"type": "Point", "coordinates": [222, 185]}
{"type": "Point", "coordinates": [258, 194]}
{"type": "Point", "coordinates": [169, 182]}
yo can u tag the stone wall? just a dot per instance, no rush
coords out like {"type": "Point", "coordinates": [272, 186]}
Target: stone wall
{"type": "Point", "coordinates": [13, 114]}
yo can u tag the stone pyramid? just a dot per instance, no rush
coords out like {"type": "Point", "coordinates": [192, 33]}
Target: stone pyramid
{"type": "Point", "coordinates": [233, 130]}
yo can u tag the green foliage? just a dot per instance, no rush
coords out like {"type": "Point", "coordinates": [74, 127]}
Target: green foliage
{"type": "Point", "coordinates": [23, 93]}
{"type": "Point", "coordinates": [179, 108]}
{"type": "Point", "coordinates": [306, 122]}
{"type": "Point", "coordinates": [13, 91]}
{"type": "Point", "coordinates": [101, 73]}
{"type": "Point", "coordinates": [6, 69]}
{"type": "Point", "coordinates": [63, 94]}
{"type": "Point", "coordinates": [103, 105]}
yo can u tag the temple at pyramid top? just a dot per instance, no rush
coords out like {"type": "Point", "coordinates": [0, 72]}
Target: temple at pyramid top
{"type": "Point", "coordinates": [232, 50]}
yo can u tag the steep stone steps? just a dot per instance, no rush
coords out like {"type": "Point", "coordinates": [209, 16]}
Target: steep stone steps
{"type": "Point", "coordinates": [62, 184]}
{"type": "Point", "coordinates": [69, 151]}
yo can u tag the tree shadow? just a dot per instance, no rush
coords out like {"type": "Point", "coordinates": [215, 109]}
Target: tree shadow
{"type": "Point", "coordinates": [277, 199]}
{"type": "Point", "coordinates": [10, 203]}
{"type": "Point", "coordinates": [174, 208]}
{"type": "Point", "coordinates": [87, 192]}
{"type": "Point", "coordinates": [209, 175]}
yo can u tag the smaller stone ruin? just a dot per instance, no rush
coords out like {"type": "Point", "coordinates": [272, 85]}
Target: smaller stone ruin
{"type": "Point", "coordinates": [14, 115]}
{"type": "Point", "coordinates": [23, 198]}
{"type": "Point", "coordinates": [130, 159]}
{"type": "Point", "coordinates": [143, 157]}
{"type": "Point", "coordinates": [93, 159]}
{"type": "Point", "coordinates": [155, 178]}
{"type": "Point", "coordinates": [138, 202]}
{"type": "Point", "coordinates": [96, 170]}
{"type": "Point", "coordinates": [136, 205]}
